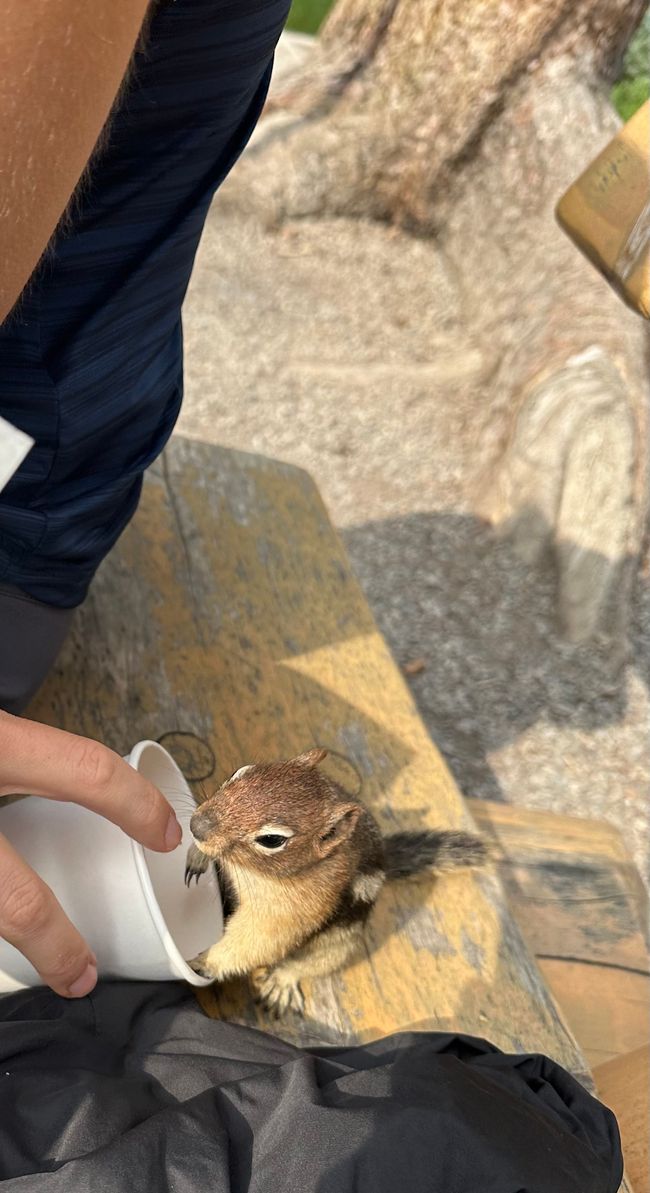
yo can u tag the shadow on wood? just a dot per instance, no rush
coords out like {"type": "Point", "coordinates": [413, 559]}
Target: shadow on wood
{"type": "Point", "coordinates": [582, 908]}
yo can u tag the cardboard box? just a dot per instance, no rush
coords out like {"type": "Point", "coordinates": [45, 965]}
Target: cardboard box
{"type": "Point", "coordinates": [607, 212]}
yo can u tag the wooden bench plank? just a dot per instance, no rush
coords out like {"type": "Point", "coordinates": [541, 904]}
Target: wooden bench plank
{"type": "Point", "coordinates": [624, 1085]}
{"type": "Point", "coordinates": [580, 904]}
{"type": "Point", "coordinates": [229, 611]}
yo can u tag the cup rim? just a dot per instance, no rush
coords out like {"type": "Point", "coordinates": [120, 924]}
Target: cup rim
{"type": "Point", "coordinates": [178, 962]}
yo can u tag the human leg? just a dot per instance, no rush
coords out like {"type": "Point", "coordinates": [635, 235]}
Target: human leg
{"type": "Point", "coordinates": [31, 635]}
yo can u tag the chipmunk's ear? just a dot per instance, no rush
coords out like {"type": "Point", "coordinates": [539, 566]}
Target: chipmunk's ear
{"type": "Point", "coordinates": [311, 758]}
{"type": "Point", "coordinates": [340, 826]}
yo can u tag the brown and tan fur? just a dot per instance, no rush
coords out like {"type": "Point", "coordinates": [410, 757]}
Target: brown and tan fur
{"type": "Point", "coordinates": [295, 907]}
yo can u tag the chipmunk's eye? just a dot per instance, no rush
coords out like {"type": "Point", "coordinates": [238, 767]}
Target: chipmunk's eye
{"type": "Point", "coordinates": [271, 841]}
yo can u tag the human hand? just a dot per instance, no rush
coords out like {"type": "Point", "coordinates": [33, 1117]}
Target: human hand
{"type": "Point", "coordinates": [39, 760]}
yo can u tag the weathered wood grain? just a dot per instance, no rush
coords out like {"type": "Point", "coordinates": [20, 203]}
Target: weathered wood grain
{"type": "Point", "coordinates": [229, 611]}
{"type": "Point", "coordinates": [582, 909]}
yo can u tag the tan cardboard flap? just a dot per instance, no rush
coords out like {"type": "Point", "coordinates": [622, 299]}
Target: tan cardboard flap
{"type": "Point", "coordinates": [606, 211]}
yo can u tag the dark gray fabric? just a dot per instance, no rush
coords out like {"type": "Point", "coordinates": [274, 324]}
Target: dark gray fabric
{"type": "Point", "coordinates": [135, 1090]}
{"type": "Point", "coordinates": [31, 636]}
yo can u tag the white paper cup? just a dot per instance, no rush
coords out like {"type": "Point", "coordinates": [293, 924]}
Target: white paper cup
{"type": "Point", "coordinates": [130, 904]}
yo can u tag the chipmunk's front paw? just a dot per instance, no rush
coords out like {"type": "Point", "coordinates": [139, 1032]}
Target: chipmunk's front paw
{"type": "Point", "coordinates": [196, 864]}
{"type": "Point", "coordinates": [199, 965]}
{"type": "Point", "coordinates": [277, 992]}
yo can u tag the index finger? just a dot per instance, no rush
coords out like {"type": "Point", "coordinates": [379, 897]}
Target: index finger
{"type": "Point", "coordinates": [36, 759]}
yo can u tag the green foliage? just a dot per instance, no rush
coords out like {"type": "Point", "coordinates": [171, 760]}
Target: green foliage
{"type": "Point", "coordinates": [629, 94]}
{"type": "Point", "coordinates": [633, 87]}
{"type": "Point", "coordinates": [307, 16]}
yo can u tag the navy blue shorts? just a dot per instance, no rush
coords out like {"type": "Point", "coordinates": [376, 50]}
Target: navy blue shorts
{"type": "Point", "coordinates": [91, 360]}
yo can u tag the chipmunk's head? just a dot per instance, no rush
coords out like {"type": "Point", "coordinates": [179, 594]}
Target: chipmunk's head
{"type": "Point", "coordinates": [277, 818]}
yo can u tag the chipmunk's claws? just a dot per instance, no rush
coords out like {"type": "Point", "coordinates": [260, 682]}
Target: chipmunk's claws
{"type": "Point", "coordinates": [197, 965]}
{"type": "Point", "coordinates": [196, 865]}
{"type": "Point", "coordinates": [277, 994]}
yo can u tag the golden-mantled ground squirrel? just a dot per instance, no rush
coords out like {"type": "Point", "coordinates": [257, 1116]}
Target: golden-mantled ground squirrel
{"type": "Point", "coordinates": [300, 866]}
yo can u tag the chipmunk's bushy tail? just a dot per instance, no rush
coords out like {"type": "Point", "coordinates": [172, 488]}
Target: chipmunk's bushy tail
{"type": "Point", "coordinates": [408, 854]}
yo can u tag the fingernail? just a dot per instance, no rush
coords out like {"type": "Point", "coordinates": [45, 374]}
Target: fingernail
{"type": "Point", "coordinates": [85, 983]}
{"type": "Point", "coordinates": [173, 832]}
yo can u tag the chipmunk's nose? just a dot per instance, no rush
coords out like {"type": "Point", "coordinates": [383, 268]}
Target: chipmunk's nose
{"type": "Point", "coordinates": [201, 825]}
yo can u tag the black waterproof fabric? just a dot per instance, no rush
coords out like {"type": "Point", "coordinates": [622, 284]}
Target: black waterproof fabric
{"type": "Point", "coordinates": [134, 1089]}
